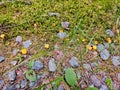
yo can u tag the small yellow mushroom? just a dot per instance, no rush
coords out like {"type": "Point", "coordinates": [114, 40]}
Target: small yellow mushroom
{"type": "Point", "coordinates": [24, 51]}
{"type": "Point", "coordinates": [94, 47]}
{"type": "Point", "coordinates": [46, 46]}
{"type": "Point", "coordinates": [89, 47]}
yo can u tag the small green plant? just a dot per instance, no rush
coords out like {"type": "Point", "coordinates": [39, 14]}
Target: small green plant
{"type": "Point", "coordinates": [19, 57]}
{"type": "Point", "coordinates": [109, 83]}
{"type": "Point", "coordinates": [70, 77]}
{"type": "Point", "coordinates": [91, 88]}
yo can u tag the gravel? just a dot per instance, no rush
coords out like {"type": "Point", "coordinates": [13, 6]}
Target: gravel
{"type": "Point", "coordinates": [23, 83]}
{"type": "Point", "coordinates": [116, 60]}
{"type": "Point", "coordinates": [74, 62]}
{"type": "Point", "coordinates": [95, 81]}
{"type": "Point", "coordinates": [65, 24]}
{"type": "Point", "coordinates": [27, 44]}
{"type": "Point", "coordinates": [52, 66]}
{"type": "Point", "coordinates": [62, 35]}
{"type": "Point", "coordinates": [109, 33]}
{"type": "Point", "coordinates": [60, 87]}
{"type": "Point", "coordinates": [10, 87]}
{"type": "Point", "coordinates": [103, 87]}
{"type": "Point", "coordinates": [19, 39]}
{"type": "Point", "coordinates": [2, 59]}
{"type": "Point", "coordinates": [15, 51]}
{"type": "Point", "coordinates": [87, 66]}
{"type": "Point", "coordinates": [37, 65]}
{"type": "Point", "coordinates": [104, 54]}
{"type": "Point", "coordinates": [13, 63]}
{"type": "Point", "coordinates": [118, 76]}
{"type": "Point", "coordinates": [100, 47]}
{"type": "Point", "coordinates": [12, 75]}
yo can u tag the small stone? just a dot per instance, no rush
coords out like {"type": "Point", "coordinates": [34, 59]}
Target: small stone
{"type": "Point", "coordinates": [60, 87]}
{"type": "Point", "coordinates": [87, 66]}
{"type": "Point", "coordinates": [104, 54]}
{"type": "Point", "coordinates": [100, 47]}
{"type": "Point", "coordinates": [62, 35]}
{"type": "Point", "coordinates": [17, 86]}
{"type": "Point", "coordinates": [65, 24]}
{"type": "Point", "coordinates": [37, 65]}
{"type": "Point", "coordinates": [53, 14]}
{"type": "Point", "coordinates": [27, 44]}
{"type": "Point", "coordinates": [13, 63]}
{"type": "Point", "coordinates": [107, 45]}
{"type": "Point", "coordinates": [1, 83]}
{"type": "Point", "coordinates": [109, 33]}
{"type": "Point", "coordinates": [23, 83]}
{"type": "Point", "coordinates": [12, 75]}
{"type": "Point", "coordinates": [94, 64]}
{"type": "Point", "coordinates": [32, 85]}
{"type": "Point", "coordinates": [52, 65]}
{"type": "Point", "coordinates": [78, 75]}
{"type": "Point", "coordinates": [96, 82]}
{"type": "Point", "coordinates": [19, 39]}
{"type": "Point", "coordinates": [116, 60]}
{"type": "Point", "coordinates": [118, 76]}
{"type": "Point", "coordinates": [11, 87]}
{"type": "Point", "coordinates": [15, 51]}
{"type": "Point", "coordinates": [103, 87]}
{"type": "Point", "coordinates": [2, 59]}
{"type": "Point", "coordinates": [74, 62]}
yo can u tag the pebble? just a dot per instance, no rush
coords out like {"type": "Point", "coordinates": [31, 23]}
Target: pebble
{"type": "Point", "coordinates": [100, 47]}
{"type": "Point", "coordinates": [37, 65]}
{"type": "Point", "coordinates": [19, 39]}
{"type": "Point", "coordinates": [1, 83]}
{"type": "Point", "coordinates": [2, 59]}
{"type": "Point", "coordinates": [13, 63]}
{"type": "Point", "coordinates": [32, 85]}
{"type": "Point", "coordinates": [27, 44]}
{"type": "Point", "coordinates": [60, 87]}
{"type": "Point", "coordinates": [116, 60]}
{"type": "Point", "coordinates": [104, 54]}
{"type": "Point", "coordinates": [10, 87]}
{"type": "Point", "coordinates": [103, 87]}
{"type": "Point", "coordinates": [23, 83]}
{"type": "Point", "coordinates": [87, 66]}
{"type": "Point", "coordinates": [15, 51]}
{"type": "Point", "coordinates": [65, 24]}
{"type": "Point", "coordinates": [74, 62]}
{"type": "Point", "coordinates": [96, 82]}
{"type": "Point", "coordinates": [12, 75]}
{"type": "Point", "coordinates": [109, 33]}
{"type": "Point", "coordinates": [52, 65]}
{"type": "Point", "coordinates": [53, 14]}
{"type": "Point", "coordinates": [17, 86]}
{"type": "Point", "coordinates": [107, 45]}
{"type": "Point", "coordinates": [62, 35]}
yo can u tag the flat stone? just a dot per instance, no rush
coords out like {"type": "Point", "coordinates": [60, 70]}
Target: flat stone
{"type": "Point", "coordinates": [27, 44]}
{"type": "Point", "coordinates": [15, 51]}
{"type": "Point", "coordinates": [87, 66]}
{"type": "Point", "coordinates": [104, 54]}
{"type": "Point", "coordinates": [12, 75]}
{"type": "Point", "coordinates": [103, 87]}
{"type": "Point", "coordinates": [23, 83]}
{"type": "Point", "coordinates": [18, 39]}
{"type": "Point", "coordinates": [37, 65]}
{"type": "Point", "coordinates": [13, 63]}
{"type": "Point", "coordinates": [100, 47]}
{"type": "Point", "coordinates": [74, 62]}
{"type": "Point", "coordinates": [116, 60]}
{"type": "Point", "coordinates": [95, 81]}
{"type": "Point", "coordinates": [52, 66]}
{"type": "Point", "coordinates": [109, 33]}
{"type": "Point", "coordinates": [62, 35]}
{"type": "Point", "coordinates": [2, 59]}
{"type": "Point", "coordinates": [53, 14]}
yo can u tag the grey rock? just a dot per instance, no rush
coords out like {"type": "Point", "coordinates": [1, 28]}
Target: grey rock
{"type": "Point", "coordinates": [74, 62]}
{"type": "Point", "coordinates": [104, 54]}
{"type": "Point", "coordinates": [53, 14]}
{"type": "Point", "coordinates": [116, 60]}
{"type": "Point", "coordinates": [10, 87]}
{"type": "Point", "coordinates": [2, 59]}
{"type": "Point", "coordinates": [109, 33]}
{"type": "Point", "coordinates": [60, 87]}
{"type": "Point", "coordinates": [18, 39]}
{"type": "Point", "coordinates": [12, 75]}
{"type": "Point", "coordinates": [37, 65]}
{"type": "Point", "coordinates": [100, 47]}
{"type": "Point", "coordinates": [32, 84]}
{"type": "Point", "coordinates": [62, 35]}
{"type": "Point", "coordinates": [52, 66]}
{"type": "Point", "coordinates": [65, 24]}
{"type": "Point", "coordinates": [118, 76]}
{"type": "Point", "coordinates": [15, 51]}
{"type": "Point", "coordinates": [95, 81]}
{"type": "Point", "coordinates": [17, 86]}
{"type": "Point", "coordinates": [103, 87]}
{"type": "Point", "coordinates": [87, 66]}
{"type": "Point", "coordinates": [27, 44]}
{"type": "Point", "coordinates": [13, 63]}
{"type": "Point", "coordinates": [23, 83]}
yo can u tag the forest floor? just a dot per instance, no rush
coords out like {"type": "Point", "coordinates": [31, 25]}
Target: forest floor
{"type": "Point", "coordinates": [59, 44]}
